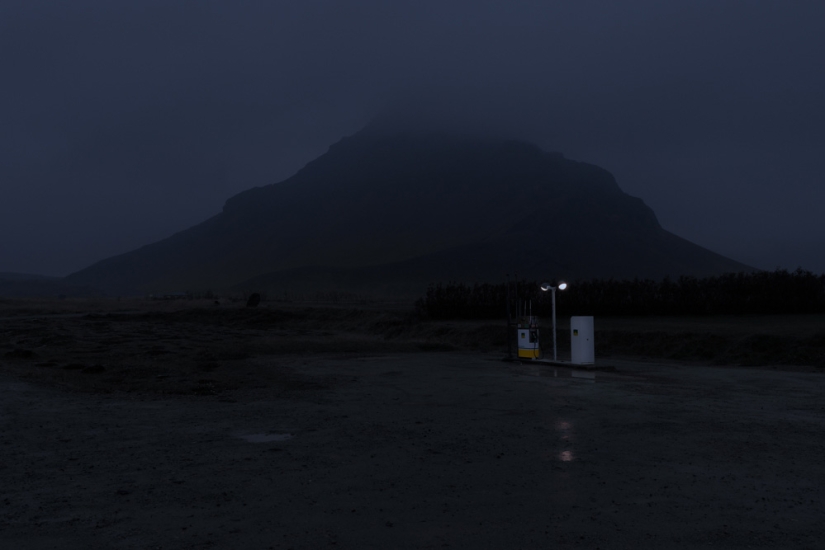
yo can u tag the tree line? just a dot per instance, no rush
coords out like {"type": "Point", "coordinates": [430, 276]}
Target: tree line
{"type": "Point", "coordinates": [762, 292]}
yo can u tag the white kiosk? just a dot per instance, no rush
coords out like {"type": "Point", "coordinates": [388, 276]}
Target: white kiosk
{"type": "Point", "coordinates": [582, 350]}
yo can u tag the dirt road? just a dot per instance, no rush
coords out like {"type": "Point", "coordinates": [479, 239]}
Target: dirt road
{"type": "Point", "coordinates": [422, 450]}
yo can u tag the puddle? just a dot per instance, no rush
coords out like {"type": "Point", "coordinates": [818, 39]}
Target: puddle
{"type": "Point", "coordinates": [265, 438]}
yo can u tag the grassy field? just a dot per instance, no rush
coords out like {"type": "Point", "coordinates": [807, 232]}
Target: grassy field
{"type": "Point", "coordinates": [779, 340]}
{"type": "Point", "coordinates": [195, 346]}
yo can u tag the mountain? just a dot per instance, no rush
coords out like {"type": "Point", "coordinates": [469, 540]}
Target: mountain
{"type": "Point", "coordinates": [26, 285]}
{"type": "Point", "coordinates": [397, 211]}
{"type": "Point", "coordinates": [5, 276]}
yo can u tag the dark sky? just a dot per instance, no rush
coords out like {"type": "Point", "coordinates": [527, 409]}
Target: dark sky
{"type": "Point", "coordinates": [124, 122]}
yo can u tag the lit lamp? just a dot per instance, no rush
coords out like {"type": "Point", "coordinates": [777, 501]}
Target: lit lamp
{"type": "Point", "coordinates": [545, 287]}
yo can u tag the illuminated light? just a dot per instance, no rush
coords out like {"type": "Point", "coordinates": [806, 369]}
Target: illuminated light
{"type": "Point", "coordinates": [566, 456]}
{"type": "Point", "coordinates": [545, 287]}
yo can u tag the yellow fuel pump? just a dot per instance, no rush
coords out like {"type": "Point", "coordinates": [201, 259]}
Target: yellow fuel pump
{"type": "Point", "coordinates": [528, 338]}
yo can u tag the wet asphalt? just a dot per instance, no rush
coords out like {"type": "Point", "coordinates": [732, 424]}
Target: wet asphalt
{"type": "Point", "coordinates": [455, 450]}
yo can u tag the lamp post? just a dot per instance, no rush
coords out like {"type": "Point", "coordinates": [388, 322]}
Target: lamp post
{"type": "Point", "coordinates": [545, 287]}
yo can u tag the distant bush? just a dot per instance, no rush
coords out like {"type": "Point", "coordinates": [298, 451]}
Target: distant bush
{"type": "Point", "coordinates": [762, 292]}
{"type": "Point", "coordinates": [459, 301]}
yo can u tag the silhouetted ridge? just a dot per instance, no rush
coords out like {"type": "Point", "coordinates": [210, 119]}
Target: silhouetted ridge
{"type": "Point", "coordinates": [428, 203]}
{"type": "Point", "coordinates": [365, 160]}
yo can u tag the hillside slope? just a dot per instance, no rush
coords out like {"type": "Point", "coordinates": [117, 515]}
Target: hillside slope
{"type": "Point", "coordinates": [405, 210]}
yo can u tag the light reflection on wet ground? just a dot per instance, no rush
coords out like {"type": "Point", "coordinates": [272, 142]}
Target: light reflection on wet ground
{"type": "Point", "coordinates": [565, 430]}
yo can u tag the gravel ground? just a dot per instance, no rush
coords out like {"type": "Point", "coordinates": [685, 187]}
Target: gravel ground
{"type": "Point", "coordinates": [420, 450]}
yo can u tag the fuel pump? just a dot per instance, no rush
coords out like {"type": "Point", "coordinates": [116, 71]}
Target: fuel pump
{"type": "Point", "coordinates": [528, 338]}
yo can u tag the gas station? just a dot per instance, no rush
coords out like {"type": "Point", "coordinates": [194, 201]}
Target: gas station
{"type": "Point", "coordinates": [527, 333]}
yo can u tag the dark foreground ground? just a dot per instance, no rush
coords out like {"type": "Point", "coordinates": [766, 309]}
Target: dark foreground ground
{"type": "Point", "coordinates": [184, 427]}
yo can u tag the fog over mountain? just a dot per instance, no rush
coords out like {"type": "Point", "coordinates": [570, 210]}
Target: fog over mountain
{"type": "Point", "coordinates": [388, 212]}
{"type": "Point", "coordinates": [124, 123]}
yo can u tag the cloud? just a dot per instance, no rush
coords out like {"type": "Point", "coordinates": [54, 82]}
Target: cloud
{"type": "Point", "coordinates": [197, 100]}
